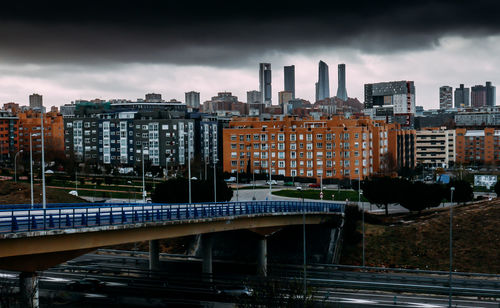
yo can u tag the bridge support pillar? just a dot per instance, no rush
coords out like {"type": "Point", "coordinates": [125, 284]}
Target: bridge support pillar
{"type": "Point", "coordinates": [154, 255]}
{"type": "Point", "coordinates": [206, 253]}
{"type": "Point", "coordinates": [262, 256]}
{"type": "Point", "coordinates": [28, 288]}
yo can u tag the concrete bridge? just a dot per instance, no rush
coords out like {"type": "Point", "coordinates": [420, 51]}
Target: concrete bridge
{"type": "Point", "coordinates": [34, 239]}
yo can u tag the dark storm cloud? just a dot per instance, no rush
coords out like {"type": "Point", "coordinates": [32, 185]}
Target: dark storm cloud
{"type": "Point", "coordinates": [226, 33]}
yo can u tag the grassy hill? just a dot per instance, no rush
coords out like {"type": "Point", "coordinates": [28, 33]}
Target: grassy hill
{"type": "Point", "coordinates": [422, 241]}
{"type": "Point", "coordinates": [19, 193]}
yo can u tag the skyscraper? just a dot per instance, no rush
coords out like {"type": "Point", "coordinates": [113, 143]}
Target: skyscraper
{"type": "Point", "coordinates": [490, 94]}
{"type": "Point", "coordinates": [253, 97]}
{"type": "Point", "coordinates": [478, 96]}
{"type": "Point", "coordinates": [341, 90]}
{"type": "Point", "coordinates": [284, 97]}
{"type": "Point", "coordinates": [461, 97]}
{"type": "Point", "coordinates": [445, 97]}
{"type": "Point", "coordinates": [192, 99]}
{"type": "Point", "coordinates": [393, 99]}
{"type": "Point", "coordinates": [36, 101]}
{"type": "Point", "coordinates": [290, 79]}
{"type": "Point", "coordinates": [323, 88]}
{"type": "Point", "coordinates": [265, 83]}
{"type": "Point", "coordinates": [153, 98]}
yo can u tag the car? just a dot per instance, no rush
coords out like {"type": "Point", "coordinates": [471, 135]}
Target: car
{"type": "Point", "coordinates": [231, 179]}
{"type": "Point", "coordinates": [85, 285]}
{"type": "Point", "coordinates": [273, 182]}
{"type": "Point", "coordinates": [235, 291]}
{"type": "Point", "coordinates": [73, 193]}
{"type": "Point", "coordinates": [314, 185]}
{"type": "Point", "coordinates": [288, 184]}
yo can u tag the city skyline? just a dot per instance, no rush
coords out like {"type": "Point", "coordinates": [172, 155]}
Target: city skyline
{"type": "Point", "coordinates": [76, 59]}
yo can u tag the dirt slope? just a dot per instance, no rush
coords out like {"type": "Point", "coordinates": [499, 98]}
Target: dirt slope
{"type": "Point", "coordinates": [422, 241]}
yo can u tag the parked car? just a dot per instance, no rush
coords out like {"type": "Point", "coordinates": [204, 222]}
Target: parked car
{"type": "Point", "coordinates": [273, 182]}
{"type": "Point", "coordinates": [85, 284]}
{"type": "Point", "coordinates": [314, 185]}
{"type": "Point", "coordinates": [288, 184]}
{"type": "Point", "coordinates": [231, 179]}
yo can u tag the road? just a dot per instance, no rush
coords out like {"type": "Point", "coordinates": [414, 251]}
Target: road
{"type": "Point", "coordinates": [125, 280]}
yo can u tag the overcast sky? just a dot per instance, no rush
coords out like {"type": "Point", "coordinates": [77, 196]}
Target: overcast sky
{"type": "Point", "coordinates": [68, 50]}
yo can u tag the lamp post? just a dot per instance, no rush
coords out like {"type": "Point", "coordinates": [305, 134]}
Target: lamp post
{"type": "Point", "coordinates": [215, 179]}
{"type": "Point", "coordinates": [237, 179]}
{"type": "Point", "coordinates": [44, 201]}
{"type": "Point", "coordinates": [362, 215]}
{"type": "Point", "coordinates": [143, 180]}
{"type": "Point", "coordinates": [15, 165]}
{"type": "Point", "coordinates": [452, 189]}
{"type": "Point", "coordinates": [270, 177]}
{"type": "Point", "coordinates": [253, 180]}
{"type": "Point", "coordinates": [303, 241]}
{"type": "Point", "coordinates": [31, 169]}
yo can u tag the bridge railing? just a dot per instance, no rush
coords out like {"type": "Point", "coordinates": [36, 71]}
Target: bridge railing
{"type": "Point", "coordinates": [55, 217]}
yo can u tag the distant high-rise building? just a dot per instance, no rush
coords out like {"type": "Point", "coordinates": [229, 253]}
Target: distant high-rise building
{"type": "Point", "coordinates": [393, 101]}
{"type": "Point", "coordinates": [254, 97]}
{"type": "Point", "coordinates": [490, 94]}
{"type": "Point", "coordinates": [323, 85]}
{"type": "Point", "coordinates": [265, 79]}
{"type": "Point", "coordinates": [284, 98]}
{"type": "Point", "coordinates": [461, 97]}
{"type": "Point", "coordinates": [445, 97]}
{"type": "Point", "coordinates": [341, 90]}
{"type": "Point", "coordinates": [36, 101]}
{"type": "Point", "coordinates": [192, 99]}
{"type": "Point", "coordinates": [153, 98]}
{"type": "Point", "coordinates": [290, 79]}
{"type": "Point", "coordinates": [478, 96]}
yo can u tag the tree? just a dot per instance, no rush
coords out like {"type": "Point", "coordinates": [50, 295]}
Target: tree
{"type": "Point", "coordinates": [388, 164]}
{"type": "Point", "coordinates": [497, 189]}
{"type": "Point", "coordinates": [175, 190]}
{"type": "Point", "coordinates": [463, 191]}
{"type": "Point", "coordinates": [419, 196]}
{"type": "Point", "coordinates": [382, 191]}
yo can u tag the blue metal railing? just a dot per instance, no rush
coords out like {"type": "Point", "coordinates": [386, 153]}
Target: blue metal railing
{"type": "Point", "coordinates": [69, 216]}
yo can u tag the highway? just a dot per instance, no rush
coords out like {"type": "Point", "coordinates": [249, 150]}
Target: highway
{"type": "Point", "coordinates": [126, 277]}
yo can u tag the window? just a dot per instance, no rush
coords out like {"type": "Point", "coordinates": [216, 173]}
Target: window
{"type": "Point", "coordinates": [309, 137]}
{"type": "Point", "coordinates": [281, 164]}
{"type": "Point", "coordinates": [281, 137]}
{"type": "Point", "coordinates": [319, 136]}
{"type": "Point", "coordinates": [293, 146]}
{"type": "Point", "coordinates": [292, 137]}
{"type": "Point", "coordinates": [319, 145]}
{"type": "Point", "coordinates": [309, 146]}
{"type": "Point", "coordinates": [233, 137]}
{"type": "Point", "coordinates": [281, 146]}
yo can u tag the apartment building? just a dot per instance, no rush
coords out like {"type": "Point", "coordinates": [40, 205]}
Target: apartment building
{"type": "Point", "coordinates": [329, 148]}
{"type": "Point", "coordinates": [478, 146]}
{"type": "Point", "coordinates": [30, 124]}
{"type": "Point", "coordinates": [435, 147]}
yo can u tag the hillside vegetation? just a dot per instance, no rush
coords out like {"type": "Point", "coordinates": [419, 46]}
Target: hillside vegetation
{"type": "Point", "coordinates": [422, 241]}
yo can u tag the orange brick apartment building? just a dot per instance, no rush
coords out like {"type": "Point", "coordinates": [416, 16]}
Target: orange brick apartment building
{"type": "Point", "coordinates": [327, 148]}
{"type": "Point", "coordinates": [53, 127]}
{"type": "Point", "coordinates": [478, 146]}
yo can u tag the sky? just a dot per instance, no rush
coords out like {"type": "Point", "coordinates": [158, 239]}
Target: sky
{"type": "Point", "coordinates": [69, 50]}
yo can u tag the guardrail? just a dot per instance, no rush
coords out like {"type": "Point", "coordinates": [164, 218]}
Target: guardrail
{"type": "Point", "coordinates": [56, 217]}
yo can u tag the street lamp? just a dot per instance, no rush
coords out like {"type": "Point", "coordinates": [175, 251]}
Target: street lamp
{"type": "Point", "coordinates": [452, 189]}
{"type": "Point", "coordinates": [44, 201]}
{"type": "Point", "coordinates": [253, 180]}
{"type": "Point", "coordinates": [143, 180]}
{"type": "Point", "coordinates": [215, 179]}
{"type": "Point", "coordinates": [31, 168]}
{"type": "Point", "coordinates": [15, 165]}
{"type": "Point", "coordinates": [237, 179]}
{"type": "Point", "coordinates": [304, 240]}
{"type": "Point", "coordinates": [362, 214]}
{"type": "Point", "coordinates": [270, 177]}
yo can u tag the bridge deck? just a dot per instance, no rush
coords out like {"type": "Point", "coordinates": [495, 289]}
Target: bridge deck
{"type": "Point", "coordinates": [15, 219]}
